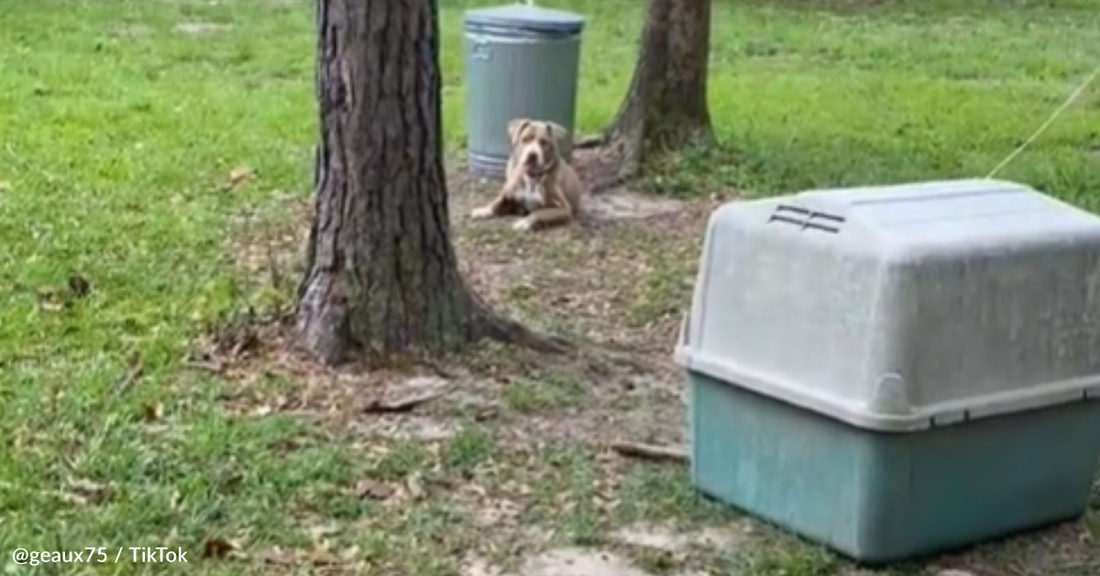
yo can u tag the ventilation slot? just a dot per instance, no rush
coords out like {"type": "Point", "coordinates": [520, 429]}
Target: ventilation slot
{"type": "Point", "coordinates": [807, 219]}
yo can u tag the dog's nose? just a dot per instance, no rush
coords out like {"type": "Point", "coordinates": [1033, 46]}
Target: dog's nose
{"type": "Point", "coordinates": [531, 158]}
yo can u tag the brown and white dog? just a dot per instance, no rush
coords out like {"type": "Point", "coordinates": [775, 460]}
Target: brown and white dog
{"type": "Point", "coordinates": [539, 184]}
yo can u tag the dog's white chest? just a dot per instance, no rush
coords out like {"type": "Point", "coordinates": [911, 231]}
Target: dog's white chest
{"type": "Point", "coordinates": [531, 195]}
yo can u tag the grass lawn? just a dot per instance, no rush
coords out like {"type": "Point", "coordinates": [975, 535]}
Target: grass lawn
{"type": "Point", "coordinates": [122, 127]}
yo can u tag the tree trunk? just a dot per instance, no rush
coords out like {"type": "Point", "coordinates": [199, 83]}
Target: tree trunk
{"type": "Point", "coordinates": [382, 275]}
{"type": "Point", "coordinates": [665, 109]}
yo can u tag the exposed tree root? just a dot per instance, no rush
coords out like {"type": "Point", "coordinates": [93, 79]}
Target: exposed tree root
{"type": "Point", "coordinates": [635, 362]}
{"type": "Point", "coordinates": [622, 177]}
{"type": "Point", "coordinates": [508, 331]}
{"type": "Point", "coordinates": [626, 165]}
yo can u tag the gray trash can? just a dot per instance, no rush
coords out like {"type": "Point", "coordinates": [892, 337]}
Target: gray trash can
{"type": "Point", "coordinates": [521, 62]}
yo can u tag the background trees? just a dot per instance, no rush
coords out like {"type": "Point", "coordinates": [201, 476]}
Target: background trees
{"type": "Point", "coordinates": [665, 108]}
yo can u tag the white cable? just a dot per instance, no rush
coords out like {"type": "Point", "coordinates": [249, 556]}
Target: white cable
{"type": "Point", "coordinates": [1069, 101]}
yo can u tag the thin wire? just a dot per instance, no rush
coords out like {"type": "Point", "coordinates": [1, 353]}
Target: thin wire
{"type": "Point", "coordinates": [1065, 105]}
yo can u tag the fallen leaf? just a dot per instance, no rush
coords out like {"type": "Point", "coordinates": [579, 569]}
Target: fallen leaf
{"type": "Point", "coordinates": [216, 548]}
{"type": "Point", "coordinates": [321, 557]}
{"type": "Point", "coordinates": [51, 300]}
{"type": "Point", "coordinates": [486, 413]}
{"type": "Point", "coordinates": [413, 485]}
{"type": "Point", "coordinates": [83, 492]}
{"type": "Point", "coordinates": [151, 412]}
{"type": "Point", "coordinates": [373, 490]}
{"type": "Point", "coordinates": [176, 502]}
{"type": "Point", "coordinates": [240, 175]}
{"type": "Point", "coordinates": [79, 286]}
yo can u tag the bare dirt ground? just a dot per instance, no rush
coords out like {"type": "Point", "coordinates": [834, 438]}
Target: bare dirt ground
{"type": "Point", "coordinates": [518, 442]}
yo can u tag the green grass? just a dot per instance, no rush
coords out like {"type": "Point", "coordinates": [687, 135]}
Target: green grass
{"type": "Point", "coordinates": [118, 134]}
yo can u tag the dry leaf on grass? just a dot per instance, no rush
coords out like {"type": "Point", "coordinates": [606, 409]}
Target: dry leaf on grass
{"type": "Point", "coordinates": [322, 557]}
{"type": "Point", "coordinates": [217, 548]}
{"type": "Point", "coordinates": [240, 175]}
{"type": "Point", "coordinates": [52, 300]}
{"type": "Point", "coordinates": [85, 492]}
{"type": "Point", "coordinates": [151, 413]}
{"type": "Point", "coordinates": [374, 490]}
{"type": "Point", "coordinates": [415, 487]}
{"type": "Point", "coordinates": [276, 404]}
{"type": "Point", "coordinates": [176, 502]}
{"type": "Point", "coordinates": [79, 286]}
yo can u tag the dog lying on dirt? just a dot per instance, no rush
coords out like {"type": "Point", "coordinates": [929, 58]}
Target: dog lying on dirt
{"type": "Point", "coordinates": [539, 184]}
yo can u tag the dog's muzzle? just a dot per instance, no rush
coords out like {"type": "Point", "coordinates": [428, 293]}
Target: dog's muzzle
{"type": "Point", "coordinates": [533, 165]}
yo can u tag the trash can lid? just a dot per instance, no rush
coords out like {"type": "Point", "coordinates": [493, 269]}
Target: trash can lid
{"type": "Point", "coordinates": [526, 17]}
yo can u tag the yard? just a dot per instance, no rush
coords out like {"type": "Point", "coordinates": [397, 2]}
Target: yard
{"type": "Point", "coordinates": [154, 195]}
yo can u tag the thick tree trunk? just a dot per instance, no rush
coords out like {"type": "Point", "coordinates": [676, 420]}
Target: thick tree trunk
{"type": "Point", "coordinates": [382, 275]}
{"type": "Point", "coordinates": [665, 109]}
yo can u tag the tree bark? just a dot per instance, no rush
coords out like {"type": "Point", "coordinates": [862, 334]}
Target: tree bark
{"type": "Point", "coordinates": [665, 109]}
{"type": "Point", "coordinates": [382, 275]}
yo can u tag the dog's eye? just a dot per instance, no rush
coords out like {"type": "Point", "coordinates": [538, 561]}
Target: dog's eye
{"type": "Point", "coordinates": [544, 142]}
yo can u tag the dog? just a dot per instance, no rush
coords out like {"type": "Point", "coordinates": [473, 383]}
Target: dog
{"type": "Point", "coordinates": [539, 184]}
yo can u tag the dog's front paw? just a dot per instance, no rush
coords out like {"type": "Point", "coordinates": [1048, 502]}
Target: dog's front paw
{"type": "Point", "coordinates": [482, 212]}
{"type": "Point", "coordinates": [524, 224]}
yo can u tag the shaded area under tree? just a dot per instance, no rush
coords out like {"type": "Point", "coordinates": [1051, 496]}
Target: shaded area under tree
{"type": "Point", "coordinates": [382, 276]}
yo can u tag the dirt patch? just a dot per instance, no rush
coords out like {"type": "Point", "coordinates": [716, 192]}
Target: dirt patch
{"type": "Point", "coordinates": [131, 31]}
{"type": "Point", "coordinates": [199, 28]}
{"type": "Point", "coordinates": [727, 539]}
{"type": "Point", "coordinates": [579, 562]}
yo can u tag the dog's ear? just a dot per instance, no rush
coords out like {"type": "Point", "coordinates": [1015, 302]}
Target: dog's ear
{"type": "Point", "coordinates": [515, 127]}
{"type": "Point", "coordinates": [560, 134]}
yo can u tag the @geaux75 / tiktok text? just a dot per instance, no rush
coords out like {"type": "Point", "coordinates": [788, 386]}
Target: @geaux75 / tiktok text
{"type": "Point", "coordinates": [101, 555]}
